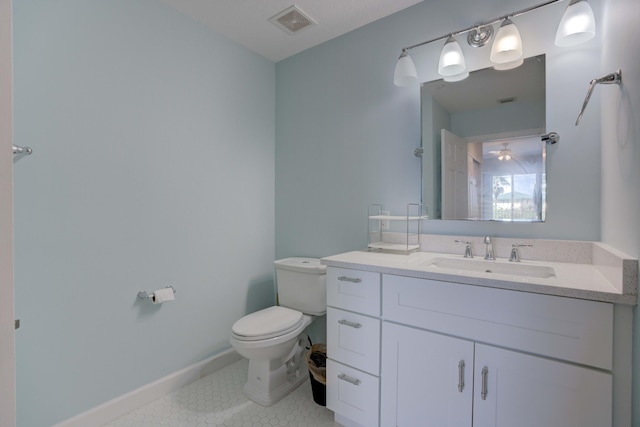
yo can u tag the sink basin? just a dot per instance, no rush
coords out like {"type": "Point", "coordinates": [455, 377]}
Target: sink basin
{"type": "Point", "coordinates": [483, 266]}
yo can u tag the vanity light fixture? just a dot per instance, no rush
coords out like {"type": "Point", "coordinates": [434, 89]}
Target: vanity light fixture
{"type": "Point", "coordinates": [507, 46]}
{"type": "Point", "coordinates": [451, 59]}
{"type": "Point", "coordinates": [480, 35]}
{"type": "Point", "coordinates": [506, 51]}
{"type": "Point", "coordinates": [577, 24]}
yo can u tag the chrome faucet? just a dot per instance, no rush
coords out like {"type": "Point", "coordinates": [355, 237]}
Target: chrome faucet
{"type": "Point", "coordinates": [515, 255]}
{"type": "Point", "coordinates": [489, 253]}
{"type": "Point", "coordinates": [467, 249]}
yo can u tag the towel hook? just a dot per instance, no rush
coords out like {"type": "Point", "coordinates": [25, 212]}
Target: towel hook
{"type": "Point", "coordinates": [22, 150]}
{"type": "Point", "coordinates": [613, 78]}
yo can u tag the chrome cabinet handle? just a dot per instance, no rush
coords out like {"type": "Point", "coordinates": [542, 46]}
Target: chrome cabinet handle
{"type": "Point", "coordinates": [350, 324]}
{"type": "Point", "coordinates": [349, 379]}
{"type": "Point", "coordinates": [349, 279]}
{"type": "Point", "coordinates": [461, 376]}
{"type": "Point", "coordinates": [483, 392]}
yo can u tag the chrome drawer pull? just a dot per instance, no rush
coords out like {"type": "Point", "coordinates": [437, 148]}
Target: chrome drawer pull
{"type": "Point", "coordinates": [349, 279]}
{"type": "Point", "coordinates": [351, 324]}
{"type": "Point", "coordinates": [349, 379]}
{"type": "Point", "coordinates": [483, 391]}
{"type": "Point", "coordinates": [461, 376]}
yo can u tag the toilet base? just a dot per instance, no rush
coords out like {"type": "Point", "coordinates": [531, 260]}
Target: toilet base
{"type": "Point", "coordinates": [270, 380]}
{"type": "Point", "coordinates": [258, 395]}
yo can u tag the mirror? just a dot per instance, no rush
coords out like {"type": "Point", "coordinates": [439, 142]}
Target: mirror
{"type": "Point", "coordinates": [483, 158]}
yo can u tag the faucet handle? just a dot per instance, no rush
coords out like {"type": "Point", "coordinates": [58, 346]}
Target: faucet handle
{"type": "Point", "coordinates": [515, 255]}
{"type": "Point", "coordinates": [522, 245]}
{"type": "Point", "coordinates": [467, 249]}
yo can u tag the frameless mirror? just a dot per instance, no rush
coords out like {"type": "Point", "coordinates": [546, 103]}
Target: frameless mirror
{"type": "Point", "coordinates": [483, 158]}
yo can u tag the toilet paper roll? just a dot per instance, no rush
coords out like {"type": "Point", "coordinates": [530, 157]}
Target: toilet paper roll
{"type": "Point", "coordinates": [163, 295]}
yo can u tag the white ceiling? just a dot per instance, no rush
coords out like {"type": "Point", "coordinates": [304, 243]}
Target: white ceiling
{"type": "Point", "coordinates": [247, 21]}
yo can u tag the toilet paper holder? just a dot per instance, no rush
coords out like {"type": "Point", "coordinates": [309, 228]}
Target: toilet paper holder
{"type": "Point", "coordinates": [143, 295]}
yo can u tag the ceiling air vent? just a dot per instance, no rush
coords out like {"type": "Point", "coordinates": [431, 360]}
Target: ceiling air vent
{"type": "Point", "coordinates": [292, 20]}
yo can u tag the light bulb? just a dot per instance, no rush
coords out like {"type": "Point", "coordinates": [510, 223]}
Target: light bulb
{"type": "Point", "coordinates": [507, 46]}
{"type": "Point", "coordinates": [451, 59]}
{"type": "Point", "coordinates": [577, 24]}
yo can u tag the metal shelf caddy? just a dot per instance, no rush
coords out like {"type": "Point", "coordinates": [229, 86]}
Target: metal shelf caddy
{"type": "Point", "coordinates": [385, 237]}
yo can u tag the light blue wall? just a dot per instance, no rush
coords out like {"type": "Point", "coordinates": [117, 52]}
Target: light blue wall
{"type": "Point", "coordinates": [621, 147]}
{"type": "Point", "coordinates": [153, 164]}
{"type": "Point", "coordinates": [344, 139]}
{"type": "Point", "coordinates": [345, 134]}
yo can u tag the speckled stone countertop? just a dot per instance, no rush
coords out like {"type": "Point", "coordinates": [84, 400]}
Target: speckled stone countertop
{"type": "Point", "coordinates": [584, 270]}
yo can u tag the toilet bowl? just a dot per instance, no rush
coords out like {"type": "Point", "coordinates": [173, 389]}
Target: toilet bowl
{"type": "Point", "coordinates": [274, 339]}
{"type": "Point", "coordinates": [275, 357]}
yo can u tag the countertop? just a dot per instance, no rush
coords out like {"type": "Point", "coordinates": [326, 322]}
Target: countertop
{"type": "Point", "coordinates": [614, 281]}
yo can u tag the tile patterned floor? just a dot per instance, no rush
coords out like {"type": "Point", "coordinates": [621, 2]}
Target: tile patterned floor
{"type": "Point", "coordinates": [217, 400]}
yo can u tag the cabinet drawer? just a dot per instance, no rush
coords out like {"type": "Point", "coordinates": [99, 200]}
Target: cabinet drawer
{"type": "Point", "coordinates": [564, 328]}
{"type": "Point", "coordinates": [354, 290]}
{"type": "Point", "coordinates": [354, 339]}
{"type": "Point", "coordinates": [353, 394]}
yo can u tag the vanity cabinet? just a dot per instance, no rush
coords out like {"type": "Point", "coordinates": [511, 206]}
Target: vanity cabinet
{"type": "Point", "coordinates": [429, 379]}
{"type": "Point", "coordinates": [491, 357]}
{"type": "Point", "coordinates": [433, 353]}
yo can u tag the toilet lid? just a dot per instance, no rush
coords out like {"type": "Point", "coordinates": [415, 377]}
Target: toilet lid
{"type": "Point", "coordinates": [268, 322]}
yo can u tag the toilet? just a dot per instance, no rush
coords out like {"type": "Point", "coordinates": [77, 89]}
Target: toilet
{"type": "Point", "coordinates": [274, 339]}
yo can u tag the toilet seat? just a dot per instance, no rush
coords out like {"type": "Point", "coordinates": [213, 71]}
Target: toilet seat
{"type": "Point", "coordinates": [267, 323]}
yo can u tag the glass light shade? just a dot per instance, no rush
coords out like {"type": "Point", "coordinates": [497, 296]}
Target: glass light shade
{"type": "Point", "coordinates": [507, 46]}
{"type": "Point", "coordinates": [509, 65]}
{"type": "Point", "coordinates": [451, 59]}
{"type": "Point", "coordinates": [456, 78]}
{"type": "Point", "coordinates": [577, 24]}
{"type": "Point", "coordinates": [405, 74]}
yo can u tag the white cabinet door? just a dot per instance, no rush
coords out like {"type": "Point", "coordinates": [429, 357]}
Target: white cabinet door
{"type": "Point", "coordinates": [427, 379]}
{"type": "Point", "coordinates": [528, 391]}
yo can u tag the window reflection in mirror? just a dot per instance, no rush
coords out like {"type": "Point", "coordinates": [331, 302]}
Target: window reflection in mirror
{"type": "Point", "coordinates": [483, 158]}
{"type": "Point", "coordinates": [513, 180]}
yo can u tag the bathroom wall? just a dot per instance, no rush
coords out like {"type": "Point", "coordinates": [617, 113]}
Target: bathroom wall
{"type": "Point", "coordinates": [153, 165]}
{"type": "Point", "coordinates": [345, 134]}
{"type": "Point", "coordinates": [621, 146]}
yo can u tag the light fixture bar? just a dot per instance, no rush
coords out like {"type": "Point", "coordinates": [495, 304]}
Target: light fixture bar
{"type": "Point", "coordinates": [501, 18]}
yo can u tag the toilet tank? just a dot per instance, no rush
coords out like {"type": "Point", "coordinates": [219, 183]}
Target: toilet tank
{"type": "Point", "coordinates": [302, 285]}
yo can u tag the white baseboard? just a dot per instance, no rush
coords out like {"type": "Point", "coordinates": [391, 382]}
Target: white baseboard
{"type": "Point", "coordinates": [121, 405]}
